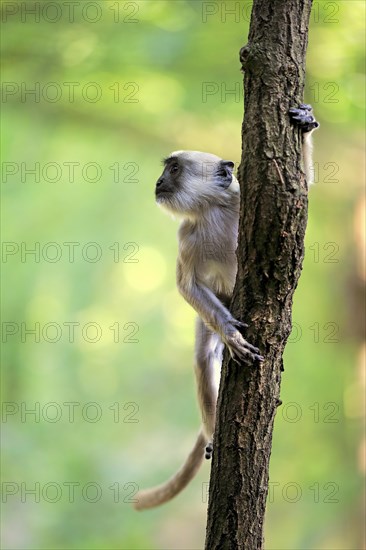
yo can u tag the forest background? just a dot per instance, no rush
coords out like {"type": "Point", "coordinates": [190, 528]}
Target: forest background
{"type": "Point", "coordinates": [97, 379]}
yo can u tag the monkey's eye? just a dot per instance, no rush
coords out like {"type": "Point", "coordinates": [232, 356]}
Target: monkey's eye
{"type": "Point", "coordinates": [174, 168]}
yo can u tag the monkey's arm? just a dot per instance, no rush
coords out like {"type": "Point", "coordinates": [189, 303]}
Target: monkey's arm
{"type": "Point", "coordinates": [215, 315]}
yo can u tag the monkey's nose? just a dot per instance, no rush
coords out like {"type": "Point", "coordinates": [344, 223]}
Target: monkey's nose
{"type": "Point", "coordinates": [159, 182]}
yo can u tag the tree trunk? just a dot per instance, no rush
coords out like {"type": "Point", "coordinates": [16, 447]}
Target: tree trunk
{"type": "Point", "coordinates": [270, 254]}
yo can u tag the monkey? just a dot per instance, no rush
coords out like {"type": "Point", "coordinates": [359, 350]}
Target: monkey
{"type": "Point", "coordinates": [203, 192]}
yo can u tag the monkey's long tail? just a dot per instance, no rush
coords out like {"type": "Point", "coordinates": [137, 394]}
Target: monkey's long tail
{"type": "Point", "coordinates": [162, 493]}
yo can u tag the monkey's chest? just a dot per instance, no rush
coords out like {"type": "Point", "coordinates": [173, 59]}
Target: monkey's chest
{"type": "Point", "coordinates": [217, 275]}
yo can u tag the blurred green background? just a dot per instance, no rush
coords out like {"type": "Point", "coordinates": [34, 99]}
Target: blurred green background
{"type": "Point", "coordinates": [96, 340]}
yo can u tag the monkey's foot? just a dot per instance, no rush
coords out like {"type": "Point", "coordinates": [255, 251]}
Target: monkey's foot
{"type": "Point", "coordinates": [209, 450]}
{"type": "Point", "coordinates": [303, 117]}
{"type": "Point", "coordinates": [239, 348]}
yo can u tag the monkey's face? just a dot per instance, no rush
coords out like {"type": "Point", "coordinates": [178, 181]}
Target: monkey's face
{"type": "Point", "coordinates": [192, 181]}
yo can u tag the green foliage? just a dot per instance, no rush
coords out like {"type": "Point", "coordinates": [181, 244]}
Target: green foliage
{"type": "Point", "coordinates": [168, 78]}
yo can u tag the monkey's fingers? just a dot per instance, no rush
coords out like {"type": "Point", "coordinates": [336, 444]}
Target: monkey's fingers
{"type": "Point", "coordinates": [246, 344]}
{"type": "Point", "coordinates": [239, 357]}
{"type": "Point", "coordinates": [240, 348]}
{"type": "Point", "coordinates": [250, 347]}
{"type": "Point", "coordinates": [303, 108]}
{"type": "Point", "coordinates": [257, 357]}
{"type": "Point", "coordinates": [237, 323]}
{"type": "Point", "coordinates": [303, 117]}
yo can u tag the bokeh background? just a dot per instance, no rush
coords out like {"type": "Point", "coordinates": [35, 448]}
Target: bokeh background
{"type": "Point", "coordinates": [98, 390]}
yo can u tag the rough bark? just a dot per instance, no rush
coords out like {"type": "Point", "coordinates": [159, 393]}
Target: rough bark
{"type": "Point", "coordinates": [270, 254]}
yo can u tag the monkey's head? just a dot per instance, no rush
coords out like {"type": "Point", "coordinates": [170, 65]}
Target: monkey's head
{"type": "Point", "coordinates": [193, 181]}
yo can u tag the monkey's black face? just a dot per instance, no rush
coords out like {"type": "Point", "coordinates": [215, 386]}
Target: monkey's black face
{"type": "Point", "coordinates": [168, 183]}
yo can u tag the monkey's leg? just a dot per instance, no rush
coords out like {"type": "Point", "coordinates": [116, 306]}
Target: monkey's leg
{"type": "Point", "coordinates": [207, 346]}
{"type": "Point", "coordinates": [304, 119]}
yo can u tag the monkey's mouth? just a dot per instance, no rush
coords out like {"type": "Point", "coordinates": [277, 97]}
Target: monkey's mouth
{"type": "Point", "coordinates": [161, 194]}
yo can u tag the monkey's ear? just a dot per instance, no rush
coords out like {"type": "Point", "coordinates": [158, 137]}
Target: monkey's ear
{"type": "Point", "coordinates": [228, 164]}
{"type": "Point", "coordinates": [225, 173]}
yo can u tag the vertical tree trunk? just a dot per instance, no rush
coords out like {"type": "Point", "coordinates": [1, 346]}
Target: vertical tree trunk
{"type": "Point", "coordinates": [270, 254]}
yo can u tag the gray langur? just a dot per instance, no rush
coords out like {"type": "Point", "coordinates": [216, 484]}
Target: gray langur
{"type": "Point", "coordinates": [201, 190]}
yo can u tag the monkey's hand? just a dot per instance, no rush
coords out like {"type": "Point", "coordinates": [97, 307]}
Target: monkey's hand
{"type": "Point", "coordinates": [238, 347]}
{"type": "Point", "coordinates": [303, 118]}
